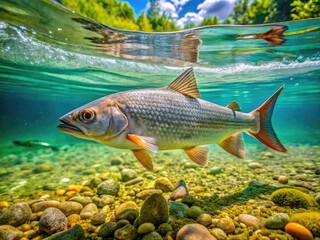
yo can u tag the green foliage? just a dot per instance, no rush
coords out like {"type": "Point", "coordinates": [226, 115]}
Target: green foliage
{"type": "Point", "coordinates": [304, 10]}
{"type": "Point", "coordinates": [144, 23]}
{"type": "Point", "coordinates": [210, 21]}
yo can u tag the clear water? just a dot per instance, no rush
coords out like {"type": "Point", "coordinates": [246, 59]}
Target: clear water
{"type": "Point", "coordinates": [53, 61]}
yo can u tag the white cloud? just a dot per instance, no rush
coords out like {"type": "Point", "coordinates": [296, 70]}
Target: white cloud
{"type": "Point", "coordinates": [168, 8]}
{"type": "Point", "coordinates": [189, 17]}
{"type": "Point", "coordinates": [220, 8]}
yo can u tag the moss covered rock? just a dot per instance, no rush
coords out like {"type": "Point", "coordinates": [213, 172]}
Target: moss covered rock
{"type": "Point", "coordinates": [311, 220]}
{"type": "Point", "coordinates": [293, 198]}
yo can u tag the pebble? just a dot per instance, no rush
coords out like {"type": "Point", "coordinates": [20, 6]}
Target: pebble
{"type": "Point", "coordinates": [146, 228]}
{"type": "Point", "coordinates": [128, 174]}
{"type": "Point", "coordinates": [146, 193]}
{"type": "Point", "coordinates": [121, 223]}
{"type": "Point", "coordinates": [226, 224]}
{"type": "Point", "coordinates": [52, 221]}
{"type": "Point", "coordinates": [194, 231]}
{"type": "Point", "coordinates": [44, 167]}
{"type": "Point", "coordinates": [8, 232]}
{"type": "Point", "coordinates": [215, 170]}
{"type": "Point", "coordinates": [4, 204]}
{"type": "Point", "coordinates": [255, 165]}
{"type": "Point", "coordinates": [98, 218]}
{"type": "Point", "coordinates": [82, 200]}
{"type": "Point", "coordinates": [116, 161]}
{"type": "Point", "coordinates": [108, 187]}
{"type": "Point", "coordinates": [16, 214]}
{"type": "Point", "coordinates": [134, 181]}
{"type": "Point", "coordinates": [283, 179]}
{"type": "Point", "coordinates": [74, 233]}
{"type": "Point", "coordinates": [69, 208]}
{"type": "Point", "coordinates": [128, 232]}
{"type": "Point", "coordinates": [164, 228]}
{"type": "Point", "coordinates": [106, 200]}
{"type": "Point", "coordinates": [164, 184]}
{"type": "Point", "coordinates": [189, 200]}
{"type": "Point", "coordinates": [154, 210]}
{"type": "Point", "coordinates": [41, 206]}
{"type": "Point", "coordinates": [75, 188]}
{"type": "Point", "coordinates": [94, 182]}
{"type": "Point", "coordinates": [219, 234]}
{"type": "Point", "coordinates": [88, 211]}
{"type": "Point", "coordinates": [249, 220]}
{"type": "Point", "coordinates": [204, 219]}
{"type": "Point", "coordinates": [317, 171]}
{"type": "Point", "coordinates": [124, 207]}
{"type": "Point", "coordinates": [177, 210]}
{"type": "Point", "coordinates": [298, 231]}
{"type": "Point", "coordinates": [277, 221]}
{"type": "Point", "coordinates": [194, 212]}
{"type": "Point", "coordinates": [107, 230]}
{"type": "Point", "coordinates": [152, 236]}
{"type": "Point", "coordinates": [179, 191]}
{"type": "Point", "coordinates": [73, 219]}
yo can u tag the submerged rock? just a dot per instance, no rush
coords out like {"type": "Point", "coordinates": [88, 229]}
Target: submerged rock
{"type": "Point", "coordinates": [226, 224]}
{"type": "Point", "coordinates": [293, 198]}
{"type": "Point", "coordinates": [204, 219]}
{"type": "Point", "coordinates": [311, 220]}
{"type": "Point", "coordinates": [249, 220]}
{"type": "Point", "coordinates": [179, 191]}
{"type": "Point", "coordinates": [69, 208]}
{"type": "Point", "coordinates": [154, 210]}
{"type": "Point", "coordinates": [177, 210]}
{"type": "Point", "coordinates": [146, 228]}
{"type": "Point", "coordinates": [88, 211]}
{"type": "Point", "coordinates": [148, 192]}
{"type": "Point", "coordinates": [128, 174]}
{"type": "Point", "coordinates": [74, 233]}
{"type": "Point", "coordinates": [164, 184]}
{"type": "Point", "coordinates": [16, 214]}
{"type": "Point", "coordinates": [194, 231]}
{"type": "Point", "coordinates": [152, 236]}
{"type": "Point", "coordinates": [52, 221]}
{"type": "Point", "coordinates": [164, 228]}
{"type": "Point", "coordinates": [128, 232]}
{"type": "Point", "coordinates": [8, 232]}
{"type": "Point", "coordinates": [109, 187]}
{"type": "Point", "coordinates": [298, 231]}
{"type": "Point", "coordinates": [277, 221]}
{"type": "Point", "coordinates": [107, 230]}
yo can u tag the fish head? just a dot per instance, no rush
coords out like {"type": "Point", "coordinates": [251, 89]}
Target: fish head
{"type": "Point", "coordinates": [99, 121]}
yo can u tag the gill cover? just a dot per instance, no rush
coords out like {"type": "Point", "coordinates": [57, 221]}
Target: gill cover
{"type": "Point", "coordinates": [118, 122]}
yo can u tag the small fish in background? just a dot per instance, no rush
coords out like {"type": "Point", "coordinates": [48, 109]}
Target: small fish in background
{"type": "Point", "coordinates": [172, 117]}
{"type": "Point", "coordinates": [274, 36]}
{"type": "Point", "coordinates": [34, 144]}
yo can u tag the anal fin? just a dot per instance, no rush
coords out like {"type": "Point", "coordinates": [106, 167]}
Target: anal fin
{"type": "Point", "coordinates": [234, 145]}
{"type": "Point", "coordinates": [147, 143]}
{"type": "Point", "coordinates": [198, 154]}
{"type": "Point", "coordinates": [144, 158]}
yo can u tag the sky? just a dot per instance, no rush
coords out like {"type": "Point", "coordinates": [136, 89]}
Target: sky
{"type": "Point", "coordinates": [184, 11]}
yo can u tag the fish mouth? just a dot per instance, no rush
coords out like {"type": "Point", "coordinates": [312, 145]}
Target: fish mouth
{"type": "Point", "coordinates": [68, 128]}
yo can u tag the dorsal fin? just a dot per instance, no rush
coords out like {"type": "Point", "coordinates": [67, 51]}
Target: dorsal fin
{"type": "Point", "coordinates": [234, 106]}
{"type": "Point", "coordinates": [186, 84]}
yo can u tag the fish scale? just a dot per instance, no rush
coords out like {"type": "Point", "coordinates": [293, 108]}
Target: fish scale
{"type": "Point", "coordinates": [177, 121]}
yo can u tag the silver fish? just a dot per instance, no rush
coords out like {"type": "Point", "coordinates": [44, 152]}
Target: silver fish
{"type": "Point", "coordinates": [173, 117]}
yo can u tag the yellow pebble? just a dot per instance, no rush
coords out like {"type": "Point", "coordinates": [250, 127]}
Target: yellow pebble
{"type": "Point", "coordinates": [70, 194]}
{"type": "Point", "coordinates": [76, 188]}
{"type": "Point", "coordinates": [60, 192]}
{"type": "Point", "coordinates": [4, 204]}
{"type": "Point", "coordinates": [298, 231]}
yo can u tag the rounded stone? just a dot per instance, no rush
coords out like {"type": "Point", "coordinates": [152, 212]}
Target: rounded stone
{"type": "Point", "coordinates": [98, 218]}
{"type": "Point", "coordinates": [249, 220]}
{"type": "Point", "coordinates": [164, 228]}
{"type": "Point", "coordinates": [16, 214]}
{"type": "Point", "coordinates": [69, 208]}
{"type": "Point", "coordinates": [44, 167]}
{"type": "Point", "coordinates": [219, 234]}
{"type": "Point", "coordinates": [8, 232]}
{"type": "Point", "coordinates": [152, 236]}
{"type": "Point", "coordinates": [106, 200]}
{"type": "Point", "coordinates": [88, 211]}
{"type": "Point", "coordinates": [215, 171]}
{"type": "Point", "coordinates": [194, 231]}
{"type": "Point", "coordinates": [189, 200]}
{"type": "Point", "coordinates": [52, 221]}
{"type": "Point", "coordinates": [226, 224]}
{"type": "Point", "coordinates": [204, 219]}
{"type": "Point", "coordinates": [164, 184]}
{"type": "Point", "coordinates": [41, 206]}
{"type": "Point", "coordinates": [128, 174]}
{"type": "Point", "coordinates": [317, 171]}
{"type": "Point", "coordinates": [121, 223]}
{"type": "Point", "coordinates": [107, 230]}
{"type": "Point", "coordinates": [82, 200]}
{"type": "Point", "coordinates": [116, 161]}
{"type": "Point", "coordinates": [277, 221]}
{"type": "Point", "coordinates": [146, 193]}
{"type": "Point", "coordinates": [194, 212]}
{"type": "Point", "coordinates": [125, 206]}
{"type": "Point", "coordinates": [298, 231]}
{"type": "Point", "coordinates": [255, 165]}
{"type": "Point", "coordinates": [109, 187]}
{"type": "Point", "coordinates": [283, 179]}
{"type": "Point", "coordinates": [128, 232]}
{"type": "Point", "coordinates": [154, 210]}
{"type": "Point", "coordinates": [179, 191]}
{"type": "Point", "coordinates": [177, 210]}
{"type": "Point", "coordinates": [146, 228]}
{"type": "Point", "coordinates": [94, 182]}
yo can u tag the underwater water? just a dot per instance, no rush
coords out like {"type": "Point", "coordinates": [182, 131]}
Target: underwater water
{"type": "Point", "coordinates": [53, 61]}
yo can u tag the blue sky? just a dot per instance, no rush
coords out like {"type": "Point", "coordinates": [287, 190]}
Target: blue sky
{"type": "Point", "coordinates": [184, 11]}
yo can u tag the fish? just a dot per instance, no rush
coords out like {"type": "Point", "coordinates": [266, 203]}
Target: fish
{"type": "Point", "coordinates": [275, 36]}
{"type": "Point", "coordinates": [34, 144]}
{"type": "Point", "coordinates": [171, 117]}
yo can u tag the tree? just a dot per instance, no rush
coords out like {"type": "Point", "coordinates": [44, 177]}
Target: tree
{"type": "Point", "coordinates": [144, 23]}
{"type": "Point", "coordinates": [239, 14]}
{"type": "Point", "coordinates": [304, 10]}
{"type": "Point", "coordinates": [210, 21]}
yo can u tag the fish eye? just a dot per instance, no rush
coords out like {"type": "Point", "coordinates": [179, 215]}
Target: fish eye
{"type": "Point", "coordinates": [87, 115]}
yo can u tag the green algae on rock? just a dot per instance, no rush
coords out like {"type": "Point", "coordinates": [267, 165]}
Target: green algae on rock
{"type": "Point", "coordinates": [293, 198]}
{"type": "Point", "coordinates": [311, 220]}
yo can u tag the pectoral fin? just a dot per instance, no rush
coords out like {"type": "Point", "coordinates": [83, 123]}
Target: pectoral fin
{"type": "Point", "coordinates": [234, 145]}
{"type": "Point", "coordinates": [234, 106]}
{"type": "Point", "coordinates": [144, 158]}
{"type": "Point", "coordinates": [198, 154]}
{"type": "Point", "coordinates": [147, 143]}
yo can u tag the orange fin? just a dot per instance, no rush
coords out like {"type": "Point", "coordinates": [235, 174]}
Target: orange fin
{"type": "Point", "coordinates": [198, 154]}
{"type": "Point", "coordinates": [234, 145]}
{"type": "Point", "coordinates": [144, 158]}
{"type": "Point", "coordinates": [186, 84]}
{"type": "Point", "coordinates": [275, 35]}
{"type": "Point", "coordinates": [266, 134]}
{"type": "Point", "coordinates": [234, 106]}
{"type": "Point", "coordinates": [147, 143]}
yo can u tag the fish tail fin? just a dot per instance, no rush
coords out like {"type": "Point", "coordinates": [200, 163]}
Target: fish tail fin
{"type": "Point", "coordinates": [265, 132]}
{"type": "Point", "coordinates": [275, 35]}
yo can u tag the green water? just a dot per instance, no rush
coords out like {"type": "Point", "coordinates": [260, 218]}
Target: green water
{"type": "Point", "coordinates": [53, 61]}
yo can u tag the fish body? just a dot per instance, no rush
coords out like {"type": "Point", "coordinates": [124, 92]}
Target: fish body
{"type": "Point", "coordinates": [34, 144]}
{"type": "Point", "coordinates": [173, 117]}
